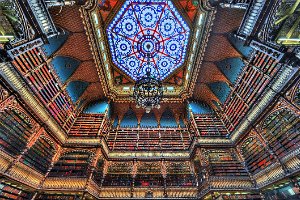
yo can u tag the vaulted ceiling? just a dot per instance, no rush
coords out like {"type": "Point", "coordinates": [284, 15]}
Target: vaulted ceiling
{"type": "Point", "coordinates": [77, 47]}
{"type": "Point", "coordinates": [201, 77]}
{"type": "Point", "coordinates": [219, 48]}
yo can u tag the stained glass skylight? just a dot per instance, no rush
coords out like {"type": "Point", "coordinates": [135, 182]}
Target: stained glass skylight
{"type": "Point", "coordinates": [148, 36]}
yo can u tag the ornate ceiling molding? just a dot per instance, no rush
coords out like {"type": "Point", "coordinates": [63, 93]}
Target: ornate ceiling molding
{"type": "Point", "coordinates": [96, 29]}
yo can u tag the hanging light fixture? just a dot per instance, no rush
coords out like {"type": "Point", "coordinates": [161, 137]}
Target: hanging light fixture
{"type": "Point", "coordinates": [148, 90]}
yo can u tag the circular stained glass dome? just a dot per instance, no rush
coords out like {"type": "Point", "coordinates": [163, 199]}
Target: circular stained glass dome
{"type": "Point", "coordinates": [148, 35]}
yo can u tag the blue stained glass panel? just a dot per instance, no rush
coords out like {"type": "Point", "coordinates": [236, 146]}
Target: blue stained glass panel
{"type": "Point", "coordinates": [148, 36]}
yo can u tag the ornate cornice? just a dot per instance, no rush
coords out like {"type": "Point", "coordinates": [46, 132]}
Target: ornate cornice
{"type": "Point", "coordinates": [95, 47]}
{"type": "Point", "coordinates": [209, 16]}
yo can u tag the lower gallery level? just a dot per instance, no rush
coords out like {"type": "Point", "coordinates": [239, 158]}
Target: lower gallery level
{"type": "Point", "coordinates": [142, 162]}
{"type": "Point", "coordinates": [225, 123]}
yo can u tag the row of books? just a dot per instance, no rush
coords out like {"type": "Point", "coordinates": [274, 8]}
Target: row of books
{"type": "Point", "coordinates": [210, 125]}
{"type": "Point", "coordinates": [14, 132]}
{"type": "Point", "coordinates": [8, 191]}
{"type": "Point", "coordinates": [251, 83]}
{"type": "Point", "coordinates": [42, 80]}
{"type": "Point", "coordinates": [73, 164]}
{"type": "Point", "coordinates": [256, 155]}
{"type": "Point", "coordinates": [224, 163]}
{"type": "Point", "coordinates": [40, 155]}
{"type": "Point", "coordinates": [87, 125]}
{"type": "Point", "coordinates": [144, 139]}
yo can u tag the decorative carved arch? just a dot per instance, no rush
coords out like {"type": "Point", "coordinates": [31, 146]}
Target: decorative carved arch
{"type": "Point", "coordinates": [245, 142]}
{"type": "Point", "coordinates": [274, 113]}
{"type": "Point", "coordinates": [12, 104]}
{"type": "Point", "coordinates": [250, 138]}
{"type": "Point", "coordinates": [280, 107]}
{"type": "Point", "coordinates": [50, 141]}
{"type": "Point", "coordinates": [296, 91]}
{"type": "Point", "coordinates": [4, 94]}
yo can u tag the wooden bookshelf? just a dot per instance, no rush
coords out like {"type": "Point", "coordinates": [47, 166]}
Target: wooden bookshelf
{"type": "Point", "coordinates": [98, 172]}
{"type": "Point", "coordinates": [149, 180]}
{"type": "Point", "coordinates": [281, 130]}
{"type": "Point", "coordinates": [119, 180]}
{"type": "Point", "coordinates": [41, 77]}
{"type": "Point", "coordinates": [14, 131]}
{"type": "Point", "coordinates": [250, 85]}
{"type": "Point", "coordinates": [119, 174]}
{"type": "Point", "coordinates": [224, 163]}
{"type": "Point", "coordinates": [72, 164]}
{"type": "Point", "coordinates": [179, 174]}
{"type": "Point", "coordinates": [10, 191]}
{"type": "Point", "coordinates": [144, 139]}
{"type": "Point", "coordinates": [149, 175]}
{"type": "Point", "coordinates": [39, 156]}
{"type": "Point", "coordinates": [256, 155]}
{"type": "Point", "coordinates": [87, 125]}
{"type": "Point", "coordinates": [210, 125]}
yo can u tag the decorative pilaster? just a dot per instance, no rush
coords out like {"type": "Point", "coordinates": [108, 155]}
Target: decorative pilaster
{"type": "Point", "coordinates": [55, 158]}
{"type": "Point", "coordinates": [193, 123]}
{"type": "Point", "coordinates": [105, 170]}
{"type": "Point", "coordinates": [105, 118]}
{"type": "Point", "coordinates": [204, 167]}
{"type": "Point", "coordinates": [241, 159]}
{"type": "Point", "coordinates": [164, 174]}
{"type": "Point", "coordinates": [133, 174]}
{"type": "Point", "coordinates": [92, 167]}
{"type": "Point", "coordinates": [195, 175]}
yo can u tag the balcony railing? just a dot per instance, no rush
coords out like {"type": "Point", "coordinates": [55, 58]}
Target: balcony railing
{"type": "Point", "coordinates": [251, 17]}
{"type": "Point", "coordinates": [42, 16]}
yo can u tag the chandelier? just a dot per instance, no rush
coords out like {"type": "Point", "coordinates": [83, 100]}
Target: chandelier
{"type": "Point", "coordinates": [148, 92]}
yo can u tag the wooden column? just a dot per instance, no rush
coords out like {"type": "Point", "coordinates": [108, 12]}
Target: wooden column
{"type": "Point", "coordinates": [55, 158]}
{"type": "Point", "coordinates": [92, 167]}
